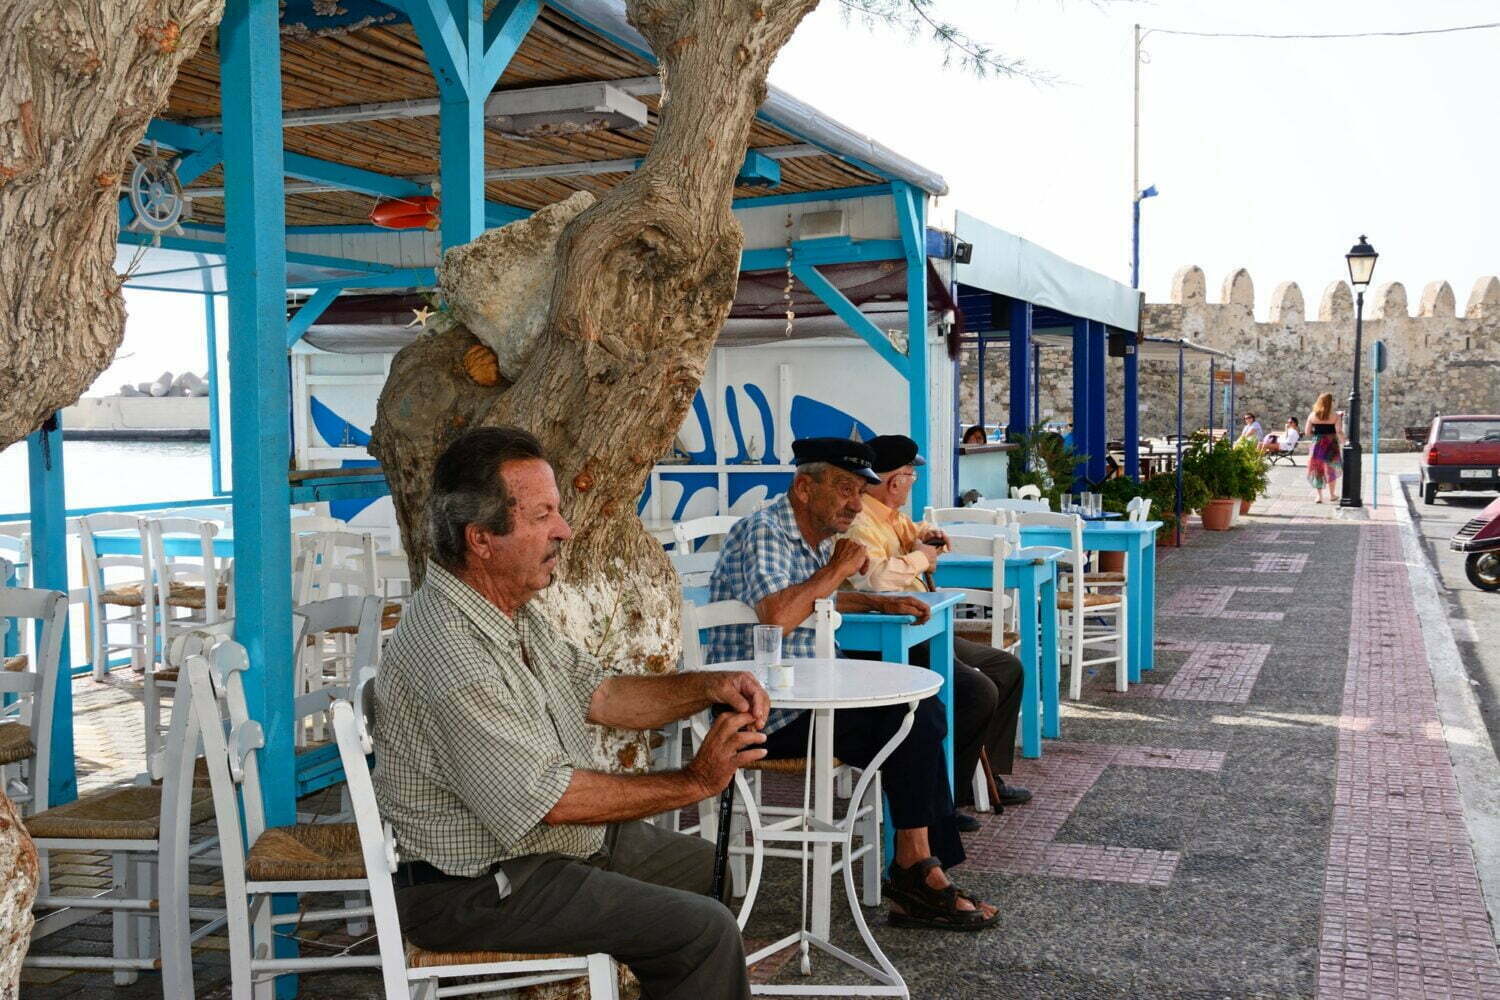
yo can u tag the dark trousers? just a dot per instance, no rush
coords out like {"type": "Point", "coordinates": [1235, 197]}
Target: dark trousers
{"type": "Point", "coordinates": [986, 709]}
{"type": "Point", "coordinates": [915, 775]}
{"type": "Point", "coordinates": [642, 899]}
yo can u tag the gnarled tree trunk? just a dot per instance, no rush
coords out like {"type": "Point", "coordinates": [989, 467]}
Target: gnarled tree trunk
{"type": "Point", "coordinates": [79, 81]}
{"type": "Point", "coordinates": [18, 878]}
{"type": "Point", "coordinates": [643, 282]}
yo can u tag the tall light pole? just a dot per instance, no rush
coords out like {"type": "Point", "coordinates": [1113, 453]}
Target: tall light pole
{"type": "Point", "coordinates": [1361, 258]}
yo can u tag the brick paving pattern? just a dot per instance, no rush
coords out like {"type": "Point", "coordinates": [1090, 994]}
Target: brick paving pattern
{"type": "Point", "coordinates": [1213, 671]}
{"type": "Point", "coordinates": [1402, 910]}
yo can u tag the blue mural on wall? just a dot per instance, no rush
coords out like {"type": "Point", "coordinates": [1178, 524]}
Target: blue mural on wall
{"type": "Point", "coordinates": [812, 418]}
{"type": "Point", "coordinates": [338, 432]}
{"type": "Point", "coordinates": [767, 422]}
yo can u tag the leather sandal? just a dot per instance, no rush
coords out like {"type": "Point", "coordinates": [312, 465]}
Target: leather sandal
{"type": "Point", "coordinates": [935, 909]}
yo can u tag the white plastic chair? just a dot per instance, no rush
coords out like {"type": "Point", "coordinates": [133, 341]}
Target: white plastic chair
{"type": "Point", "coordinates": [1077, 604]}
{"type": "Point", "coordinates": [419, 977]}
{"type": "Point", "coordinates": [306, 858]}
{"type": "Point", "coordinates": [763, 822]}
{"type": "Point", "coordinates": [117, 581]}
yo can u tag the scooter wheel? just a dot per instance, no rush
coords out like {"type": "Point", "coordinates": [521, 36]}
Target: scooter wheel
{"type": "Point", "coordinates": [1483, 570]}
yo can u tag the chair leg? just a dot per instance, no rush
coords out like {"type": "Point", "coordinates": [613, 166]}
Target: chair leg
{"type": "Point", "coordinates": [124, 939]}
{"type": "Point", "coordinates": [147, 928]}
{"type": "Point", "coordinates": [97, 632]}
{"type": "Point", "coordinates": [1075, 672]}
{"type": "Point", "coordinates": [1122, 661]}
{"type": "Point", "coordinates": [263, 945]}
{"type": "Point", "coordinates": [604, 980]}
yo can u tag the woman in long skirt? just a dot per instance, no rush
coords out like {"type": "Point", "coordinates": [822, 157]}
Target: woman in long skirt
{"type": "Point", "coordinates": [1326, 428]}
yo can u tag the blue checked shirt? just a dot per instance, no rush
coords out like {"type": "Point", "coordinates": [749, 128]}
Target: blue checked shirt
{"type": "Point", "coordinates": [763, 554]}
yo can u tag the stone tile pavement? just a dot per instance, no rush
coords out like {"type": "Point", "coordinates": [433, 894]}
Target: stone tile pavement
{"type": "Point", "coordinates": [1270, 814]}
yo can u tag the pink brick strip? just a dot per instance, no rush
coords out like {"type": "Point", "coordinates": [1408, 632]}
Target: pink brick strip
{"type": "Point", "coordinates": [1021, 840]}
{"type": "Point", "coordinates": [1402, 910]}
{"type": "Point", "coordinates": [1217, 671]}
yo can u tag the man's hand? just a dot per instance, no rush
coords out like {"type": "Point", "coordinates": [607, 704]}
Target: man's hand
{"type": "Point", "coordinates": [901, 605]}
{"type": "Point", "coordinates": [740, 691]}
{"type": "Point", "coordinates": [728, 747]}
{"type": "Point", "coordinates": [930, 551]}
{"type": "Point", "coordinates": [849, 557]}
{"type": "Point", "coordinates": [936, 539]}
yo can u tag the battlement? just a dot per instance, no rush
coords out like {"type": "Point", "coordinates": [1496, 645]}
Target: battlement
{"type": "Point", "coordinates": [1387, 300]}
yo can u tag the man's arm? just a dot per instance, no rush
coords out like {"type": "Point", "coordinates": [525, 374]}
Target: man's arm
{"type": "Point", "coordinates": [790, 607]}
{"type": "Point", "coordinates": [651, 701]}
{"type": "Point", "coordinates": [593, 797]}
{"type": "Point", "coordinates": [855, 601]}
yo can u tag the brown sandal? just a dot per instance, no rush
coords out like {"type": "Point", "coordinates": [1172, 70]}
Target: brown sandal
{"type": "Point", "coordinates": [935, 909]}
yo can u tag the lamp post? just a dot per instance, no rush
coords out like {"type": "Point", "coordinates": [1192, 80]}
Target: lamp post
{"type": "Point", "coordinates": [1361, 258]}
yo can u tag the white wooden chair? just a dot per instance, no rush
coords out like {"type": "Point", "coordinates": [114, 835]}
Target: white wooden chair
{"type": "Point", "coordinates": [687, 534]}
{"type": "Point", "coordinates": [296, 860]}
{"type": "Point", "coordinates": [408, 971]}
{"type": "Point", "coordinates": [121, 582]}
{"type": "Point", "coordinates": [144, 829]}
{"type": "Point", "coordinates": [695, 564]}
{"type": "Point", "coordinates": [1078, 605]}
{"type": "Point", "coordinates": [15, 547]}
{"type": "Point", "coordinates": [1031, 491]}
{"type": "Point", "coordinates": [340, 635]}
{"type": "Point", "coordinates": [763, 822]}
{"type": "Point", "coordinates": [959, 515]}
{"type": "Point", "coordinates": [23, 756]}
{"type": "Point", "coordinates": [1016, 506]}
{"type": "Point", "coordinates": [1138, 509]}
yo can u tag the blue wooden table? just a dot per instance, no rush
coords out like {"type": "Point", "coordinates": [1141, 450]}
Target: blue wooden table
{"type": "Point", "coordinates": [892, 637]}
{"type": "Point", "coordinates": [1137, 539]}
{"type": "Point", "coordinates": [1033, 574]}
{"type": "Point", "coordinates": [128, 543]}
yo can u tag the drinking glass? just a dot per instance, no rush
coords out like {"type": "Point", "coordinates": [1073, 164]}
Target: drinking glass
{"type": "Point", "coordinates": [767, 646]}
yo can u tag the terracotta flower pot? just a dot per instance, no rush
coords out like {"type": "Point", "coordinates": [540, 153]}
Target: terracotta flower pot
{"type": "Point", "coordinates": [1113, 562]}
{"type": "Point", "coordinates": [1245, 506]}
{"type": "Point", "coordinates": [1218, 514]}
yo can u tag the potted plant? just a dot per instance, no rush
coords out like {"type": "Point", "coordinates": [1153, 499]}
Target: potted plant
{"type": "Point", "coordinates": [1254, 478]}
{"type": "Point", "coordinates": [1162, 489]}
{"type": "Point", "coordinates": [1218, 466]}
{"type": "Point", "coordinates": [1044, 459]}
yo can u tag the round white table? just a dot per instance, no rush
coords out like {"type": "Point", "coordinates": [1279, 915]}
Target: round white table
{"type": "Point", "coordinates": [823, 687]}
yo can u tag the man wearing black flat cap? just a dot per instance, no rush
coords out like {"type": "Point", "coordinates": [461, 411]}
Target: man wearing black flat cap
{"type": "Point", "coordinates": [902, 555]}
{"type": "Point", "coordinates": [782, 559]}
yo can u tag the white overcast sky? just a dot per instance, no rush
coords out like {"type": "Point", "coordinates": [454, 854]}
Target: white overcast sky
{"type": "Point", "coordinates": [1270, 155]}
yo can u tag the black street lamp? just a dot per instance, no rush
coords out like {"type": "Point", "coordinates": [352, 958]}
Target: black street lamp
{"type": "Point", "coordinates": [1361, 258]}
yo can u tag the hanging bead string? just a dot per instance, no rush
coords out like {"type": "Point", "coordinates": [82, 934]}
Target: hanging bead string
{"type": "Point", "coordinates": [786, 291]}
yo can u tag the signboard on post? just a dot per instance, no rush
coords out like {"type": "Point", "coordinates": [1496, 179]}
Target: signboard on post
{"type": "Point", "coordinates": [1222, 375]}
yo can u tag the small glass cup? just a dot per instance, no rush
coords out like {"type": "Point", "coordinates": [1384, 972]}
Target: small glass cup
{"type": "Point", "coordinates": [767, 646]}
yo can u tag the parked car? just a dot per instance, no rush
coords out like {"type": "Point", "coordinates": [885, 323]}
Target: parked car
{"type": "Point", "coordinates": [1461, 453]}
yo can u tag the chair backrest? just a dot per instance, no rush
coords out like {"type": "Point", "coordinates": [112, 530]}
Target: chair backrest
{"type": "Point", "coordinates": [302, 522]}
{"type": "Point", "coordinates": [36, 686]}
{"type": "Point", "coordinates": [231, 741]}
{"type": "Point", "coordinates": [959, 515]}
{"type": "Point", "coordinates": [995, 549]}
{"type": "Point", "coordinates": [1138, 509]}
{"type": "Point", "coordinates": [333, 564]}
{"type": "Point", "coordinates": [824, 621]}
{"type": "Point", "coordinates": [1016, 506]}
{"type": "Point", "coordinates": [353, 730]}
{"type": "Point", "coordinates": [1031, 491]}
{"type": "Point", "coordinates": [687, 533]}
{"type": "Point", "coordinates": [96, 566]}
{"type": "Point", "coordinates": [1073, 525]}
{"type": "Point", "coordinates": [199, 565]}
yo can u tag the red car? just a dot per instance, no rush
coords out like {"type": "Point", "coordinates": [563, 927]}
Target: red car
{"type": "Point", "coordinates": [1461, 453]}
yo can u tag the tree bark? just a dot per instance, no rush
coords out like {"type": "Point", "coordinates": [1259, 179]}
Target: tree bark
{"type": "Point", "coordinates": [18, 878]}
{"type": "Point", "coordinates": [79, 81]}
{"type": "Point", "coordinates": [644, 281]}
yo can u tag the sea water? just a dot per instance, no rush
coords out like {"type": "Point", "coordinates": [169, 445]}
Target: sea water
{"type": "Point", "coordinates": [106, 473]}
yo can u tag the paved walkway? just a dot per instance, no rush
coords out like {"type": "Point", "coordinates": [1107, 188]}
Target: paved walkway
{"type": "Point", "coordinates": [1272, 813]}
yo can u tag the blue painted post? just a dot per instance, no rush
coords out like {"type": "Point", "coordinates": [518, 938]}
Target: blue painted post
{"type": "Point", "coordinates": [911, 215]}
{"type": "Point", "coordinates": [49, 571]}
{"type": "Point", "coordinates": [1132, 421]}
{"type": "Point", "coordinates": [1097, 374]}
{"type": "Point", "coordinates": [982, 388]}
{"type": "Point", "coordinates": [1020, 362]}
{"type": "Point", "coordinates": [1213, 370]}
{"type": "Point", "coordinates": [1082, 357]}
{"type": "Point", "coordinates": [211, 331]}
{"type": "Point", "coordinates": [1181, 370]}
{"type": "Point", "coordinates": [1229, 415]}
{"type": "Point", "coordinates": [1036, 383]}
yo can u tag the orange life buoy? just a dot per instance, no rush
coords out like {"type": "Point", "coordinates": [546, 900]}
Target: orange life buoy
{"type": "Point", "coordinates": [406, 213]}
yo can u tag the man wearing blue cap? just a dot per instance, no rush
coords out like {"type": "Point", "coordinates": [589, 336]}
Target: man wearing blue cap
{"type": "Point", "coordinates": [987, 682]}
{"type": "Point", "coordinates": [780, 561]}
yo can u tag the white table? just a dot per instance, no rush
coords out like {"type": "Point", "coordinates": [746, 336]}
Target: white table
{"type": "Point", "coordinates": [823, 687]}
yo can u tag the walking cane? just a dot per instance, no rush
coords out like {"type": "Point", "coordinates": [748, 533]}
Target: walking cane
{"type": "Point", "coordinates": [721, 842]}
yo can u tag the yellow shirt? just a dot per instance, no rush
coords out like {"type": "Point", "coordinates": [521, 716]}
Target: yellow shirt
{"type": "Point", "coordinates": [890, 539]}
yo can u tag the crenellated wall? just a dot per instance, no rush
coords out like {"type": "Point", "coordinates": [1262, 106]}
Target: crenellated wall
{"type": "Point", "coordinates": [1438, 359]}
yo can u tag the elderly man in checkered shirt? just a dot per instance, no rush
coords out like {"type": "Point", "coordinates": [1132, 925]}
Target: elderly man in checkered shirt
{"type": "Point", "coordinates": [780, 561]}
{"type": "Point", "coordinates": [510, 837]}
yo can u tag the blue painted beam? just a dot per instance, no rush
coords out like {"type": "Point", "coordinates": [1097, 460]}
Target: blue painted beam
{"type": "Point", "coordinates": [351, 488]}
{"type": "Point", "coordinates": [220, 249]}
{"type": "Point", "coordinates": [1020, 368]}
{"type": "Point", "coordinates": [758, 170]}
{"type": "Point", "coordinates": [405, 277]}
{"type": "Point", "coordinates": [1097, 432]}
{"type": "Point", "coordinates": [850, 314]}
{"type": "Point", "coordinates": [815, 253]}
{"type": "Point", "coordinates": [911, 217]}
{"type": "Point", "coordinates": [250, 84]}
{"type": "Point", "coordinates": [308, 314]}
{"type": "Point", "coordinates": [49, 571]}
{"type": "Point", "coordinates": [215, 429]}
{"type": "Point", "coordinates": [504, 31]}
{"type": "Point", "coordinates": [1081, 396]}
{"type": "Point", "coordinates": [73, 512]}
{"type": "Point", "coordinates": [802, 197]}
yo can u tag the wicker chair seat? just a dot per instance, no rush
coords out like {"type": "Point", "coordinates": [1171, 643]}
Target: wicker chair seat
{"type": "Point", "coordinates": [421, 958]}
{"type": "Point", "coordinates": [1103, 578]}
{"type": "Point", "coordinates": [308, 851]}
{"type": "Point", "coordinates": [166, 675]}
{"type": "Point", "coordinates": [1065, 601]}
{"type": "Point", "coordinates": [187, 595]}
{"type": "Point", "coordinates": [17, 664]}
{"type": "Point", "coordinates": [125, 595]}
{"type": "Point", "coordinates": [15, 743]}
{"type": "Point", "coordinates": [788, 765]}
{"type": "Point", "coordinates": [390, 616]}
{"type": "Point", "coordinates": [979, 631]}
{"type": "Point", "coordinates": [130, 813]}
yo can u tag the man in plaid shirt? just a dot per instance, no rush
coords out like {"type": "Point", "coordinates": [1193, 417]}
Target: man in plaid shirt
{"type": "Point", "coordinates": [510, 837]}
{"type": "Point", "coordinates": [782, 559]}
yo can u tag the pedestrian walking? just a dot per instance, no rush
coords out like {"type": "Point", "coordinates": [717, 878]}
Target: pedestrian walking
{"type": "Point", "coordinates": [1326, 428]}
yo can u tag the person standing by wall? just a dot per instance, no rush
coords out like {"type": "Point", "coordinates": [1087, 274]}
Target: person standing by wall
{"type": "Point", "coordinates": [1327, 431]}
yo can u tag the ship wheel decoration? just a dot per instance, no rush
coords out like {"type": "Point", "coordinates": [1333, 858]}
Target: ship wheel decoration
{"type": "Point", "coordinates": [156, 195]}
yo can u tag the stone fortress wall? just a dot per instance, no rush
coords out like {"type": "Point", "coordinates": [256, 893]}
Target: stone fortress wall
{"type": "Point", "coordinates": [1439, 361]}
